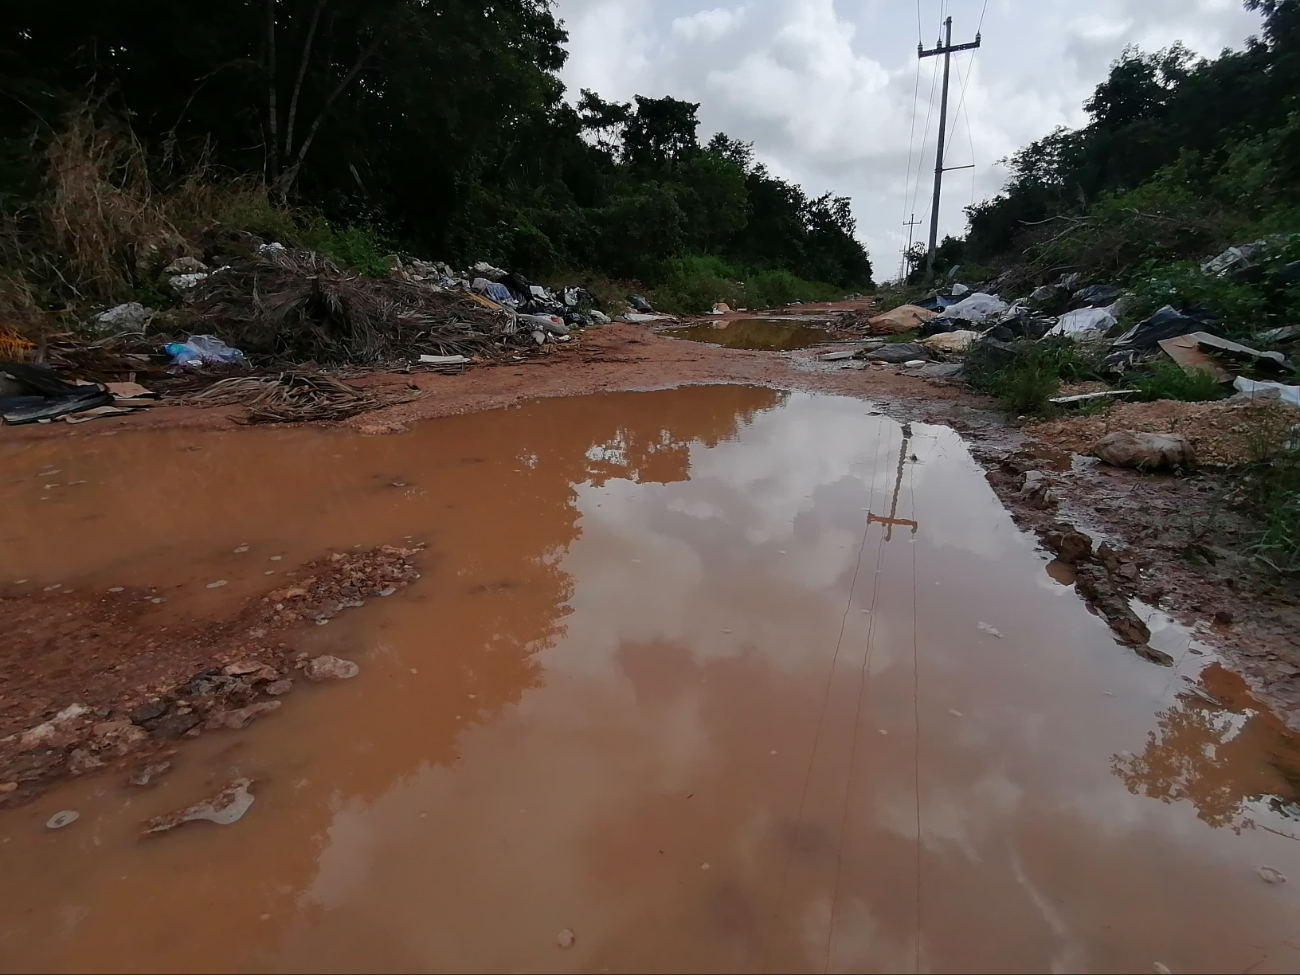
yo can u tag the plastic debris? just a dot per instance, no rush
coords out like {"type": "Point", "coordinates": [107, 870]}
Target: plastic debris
{"type": "Point", "coordinates": [1254, 390]}
{"type": "Point", "coordinates": [226, 807]}
{"type": "Point", "coordinates": [204, 350]}
{"type": "Point", "coordinates": [977, 307]}
{"type": "Point", "coordinates": [904, 318]}
{"type": "Point", "coordinates": [64, 818]}
{"type": "Point", "coordinates": [1268, 875]}
{"type": "Point", "coordinates": [1084, 324]}
{"type": "Point", "coordinates": [130, 317]}
{"type": "Point", "coordinates": [956, 341]}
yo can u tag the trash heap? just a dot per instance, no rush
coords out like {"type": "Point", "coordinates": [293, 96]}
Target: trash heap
{"type": "Point", "coordinates": [958, 319]}
{"type": "Point", "coordinates": [278, 316]}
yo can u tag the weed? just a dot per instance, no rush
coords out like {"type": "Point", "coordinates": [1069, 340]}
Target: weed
{"type": "Point", "coordinates": [1165, 380]}
{"type": "Point", "coordinates": [1030, 373]}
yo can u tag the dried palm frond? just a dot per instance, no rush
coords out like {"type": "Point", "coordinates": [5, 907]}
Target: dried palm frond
{"type": "Point", "coordinates": [295, 397]}
{"type": "Point", "coordinates": [295, 306]}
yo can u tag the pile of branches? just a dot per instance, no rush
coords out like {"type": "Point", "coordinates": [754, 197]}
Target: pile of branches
{"type": "Point", "coordinates": [295, 306]}
{"type": "Point", "coordinates": [295, 397]}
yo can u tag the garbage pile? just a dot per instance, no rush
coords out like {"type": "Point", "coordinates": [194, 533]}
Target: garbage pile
{"type": "Point", "coordinates": [958, 319]}
{"type": "Point", "coordinates": [295, 306]}
{"type": "Point", "coordinates": [271, 314]}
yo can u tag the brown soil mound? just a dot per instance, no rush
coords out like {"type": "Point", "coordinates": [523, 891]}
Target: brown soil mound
{"type": "Point", "coordinates": [1223, 433]}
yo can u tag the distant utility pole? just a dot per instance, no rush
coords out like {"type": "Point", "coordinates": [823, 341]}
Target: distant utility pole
{"type": "Point", "coordinates": [907, 254]}
{"type": "Point", "coordinates": [947, 49]}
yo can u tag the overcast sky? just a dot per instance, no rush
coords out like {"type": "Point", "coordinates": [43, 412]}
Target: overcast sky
{"type": "Point", "coordinates": [824, 88]}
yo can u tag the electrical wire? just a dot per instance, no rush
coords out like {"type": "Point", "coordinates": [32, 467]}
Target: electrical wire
{"type": "Point", "coordinates": [982, 13]}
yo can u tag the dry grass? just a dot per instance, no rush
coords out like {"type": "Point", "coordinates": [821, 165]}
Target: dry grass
{"type": "Point", "coordinates": [101, 217]}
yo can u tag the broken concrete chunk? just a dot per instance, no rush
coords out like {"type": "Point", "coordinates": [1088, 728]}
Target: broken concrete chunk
{"type": "Point", "coordinates": [146, 775]}
{"type": "Point", "coordinates": [330, 668]}
{"type": "Point", "coordinates": [279, 687]}
{"type": "Point", "coordinates": [1144, 451]}
{"type": "Point", "coordinates": [240, 717]}
{"type": "Point", "coordinates": [226, 807]}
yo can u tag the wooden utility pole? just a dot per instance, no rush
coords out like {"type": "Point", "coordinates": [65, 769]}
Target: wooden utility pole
{"type": "Point", "coordinates": [907, 254]}
{"type": "Point", "coordinates": [947, 49]}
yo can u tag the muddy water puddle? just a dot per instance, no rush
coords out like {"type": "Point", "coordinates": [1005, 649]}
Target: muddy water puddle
{"type": "Point", "coordinates": [715, 679]}
{"type": "Point", "coordinates": [760, 334]}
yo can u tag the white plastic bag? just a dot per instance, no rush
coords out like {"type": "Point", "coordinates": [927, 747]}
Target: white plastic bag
{"type": "Point", "coordinates": [1084, 324]}
{"type": "Point", "coordinates": [977, 307]}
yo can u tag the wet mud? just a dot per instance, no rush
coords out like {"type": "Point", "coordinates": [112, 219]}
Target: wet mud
{"type": "Point", "coordinates": [714, 679]}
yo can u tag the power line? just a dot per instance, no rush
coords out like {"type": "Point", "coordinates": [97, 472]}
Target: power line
{"type": "Point", "coordinates": [982, 13]}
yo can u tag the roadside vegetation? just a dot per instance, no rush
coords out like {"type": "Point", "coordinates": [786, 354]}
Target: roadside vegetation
{"type": "Point", "coordinates": [136, 131]}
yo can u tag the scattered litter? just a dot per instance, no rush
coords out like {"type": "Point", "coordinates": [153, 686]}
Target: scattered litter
{"type": "Point", "coordinates": [704, 866]}
{"type": "Point", "coordinates": [35, 394]}
{"type": "Point", "coordinates": [1144, 451]}
{"type": "Point", "coordinates": [1084, 324]}
{"type": "Point", "coordinates": [977, 307]}
{"type": "Point", "coordinates": [118, 589]}
{"type": "Point", "coordinates": [242, 549]}
{"type": "Point", "coordinates": [1143, 338]}
{"type": "Point", "coordinates": [60, 819]}
{"type": "Point", "coordinates": [218, 584]}
{"type": "Point", "coordinates": [957, 341]}
{"type": "Point", "coordinates": [226, 807]}
{"type": "Point", "coordinates": [444, 360]}
{"type": "Point", "coordinates": [240, 717]}
{"type": "Point", "coordinates": [146, 775]}
{"type": "Point", "coordinates": [204, 350]}
{"type": "Point", "coordinates": [898, 352]}
{"type": "Point", "coordinates": [1085, 397]}
{"type": "Point", "coordinates": [985, 627]}
{"type": "Point", "coordinates": [130, 317]}
{"type": "Point", "coordinates": [1098, 295]}
{"type": "Point", "coordinates": [839, 356]}
{"type": "Point", "coordinates": [904, 318]}
{"type": "Point", "coordinates": [566, 938]}
{"type": "Point", "coordinates": [330, 668]}
{"type": "Point", "coordinates": [1249, 389]}
{"type": "Point", "coordinates": [1267, 874]}
{"type": "Point", "coordinates": [1160, 969]}
{"type": "Point", "coordinates": [955, 714]}
{"type": "Point", "coordinates": [276, 558]}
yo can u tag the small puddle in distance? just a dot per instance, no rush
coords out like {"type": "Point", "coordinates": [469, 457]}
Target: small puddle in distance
{"type": "Point", "coordinates": [757, 334]}
{"type": "Point", "coordinates": [716, 679]}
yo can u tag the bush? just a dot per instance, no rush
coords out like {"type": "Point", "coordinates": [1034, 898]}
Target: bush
{"type": "Point", "coordinates": [355, 247]}
{"type": "Point", "coordinates": [691, 285]}
{"type": "Point", "coordinates": [1166, 380]}
{"type": "Point", "coordinates": [1244, 308]}
{"type": "Point", "coordinates": [1026, 377]}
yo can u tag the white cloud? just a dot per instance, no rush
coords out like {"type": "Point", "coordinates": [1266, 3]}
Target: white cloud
{"type": "Point", "coordinates": [707, 25]}
{"type": "Point", "coordinates": [824, 88]}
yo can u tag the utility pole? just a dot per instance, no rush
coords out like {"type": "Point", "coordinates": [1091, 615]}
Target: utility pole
{"type": "Point", "coordinates": [947, 49]}
{"type": "Point", "coordinates": [909, 224]}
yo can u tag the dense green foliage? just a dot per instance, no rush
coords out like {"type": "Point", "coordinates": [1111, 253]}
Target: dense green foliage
{"type": "Point", "coordinates": [1181, 157]}
{"type": "Point", "coordinates": [438, 124]}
